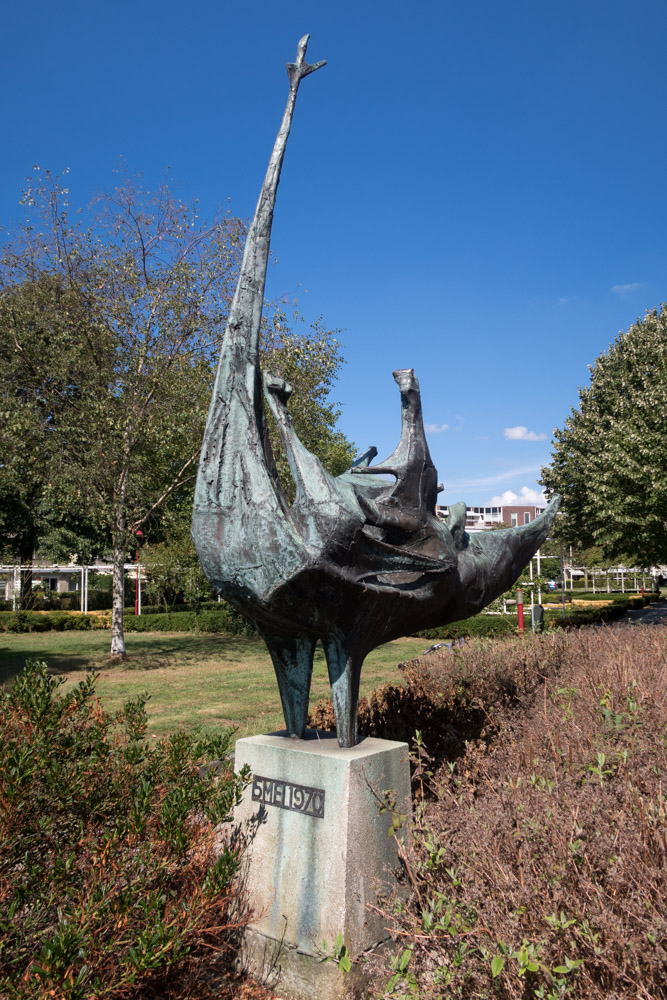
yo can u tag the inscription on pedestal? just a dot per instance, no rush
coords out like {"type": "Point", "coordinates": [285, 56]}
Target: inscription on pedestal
{"type": "Point", "coordinates": [287, 795]}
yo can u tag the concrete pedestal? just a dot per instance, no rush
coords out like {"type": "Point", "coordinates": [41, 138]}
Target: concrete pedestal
{"type": "Point", "coordinates": [319, 850]}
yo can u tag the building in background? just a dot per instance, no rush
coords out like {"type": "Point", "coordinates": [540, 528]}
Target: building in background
{"type": "Point", "coordinates": [485, 518]}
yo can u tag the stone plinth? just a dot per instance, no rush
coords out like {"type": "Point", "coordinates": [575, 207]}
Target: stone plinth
{"type": "Point", "coordinates": [319, 851]}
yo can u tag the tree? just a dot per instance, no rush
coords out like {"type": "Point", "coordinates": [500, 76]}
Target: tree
{"type": "Point", "coordinates": [173, 570]}
{"type": "Point", "coordinates": [310, 363]}
{"type": "Point", "coordinates": [38, 375]}
{"type": "Point", "coordinates": [609, 462]}
{"type": "Point", "coordinates": [109, 337]}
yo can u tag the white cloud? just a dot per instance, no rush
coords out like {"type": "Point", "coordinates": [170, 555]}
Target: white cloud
{"type": "Point", "coordinates": [436, 428]}
{"type": "Point", "coordinates": [522, 434]}
{"type": "Point", "coordinates": [500, 477]}
{"type": "Point", "coordinates": [565, 300]}
{"type": "Point", "coordinates": [624, 290]}
{"type": "Point", "coordinates": [525, 496]}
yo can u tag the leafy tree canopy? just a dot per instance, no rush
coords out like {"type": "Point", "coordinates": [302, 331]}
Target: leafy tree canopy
{"type": "Point", "coordinates": [109, 337]}
{"type": "Point", "coordinates": [610, 460]}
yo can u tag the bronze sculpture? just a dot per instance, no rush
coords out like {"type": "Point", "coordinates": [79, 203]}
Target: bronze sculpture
{"type": "Point", "coordinates": [354, 561]}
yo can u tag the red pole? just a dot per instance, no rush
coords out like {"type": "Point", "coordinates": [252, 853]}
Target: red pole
{"type": "Point", "coordinates": [519, 609]}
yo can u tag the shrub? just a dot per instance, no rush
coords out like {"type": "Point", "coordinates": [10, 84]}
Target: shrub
{"type": "Point", "coordinates": [577, 617]}
{"type": "Point", "coordinates": [450, 696]}
{"type": "Point", "coordinates": [112, 868]}
{"type": "Point", "coordinates": [536, 862]}
{"type": "Point", "coordinates": [223, 618]}
{"type": "Point", "coordinates": [226, 619]}
{"type": "Point", "coordinates": [98, 600]}
{"type": "Point", "coordinates": [160, 609]}
{"type": "Point", "coordinates": [556, 596]}
{"type": "Point", "coordinates": [35, 621]}
{"type": "Point", "coordinates": [179, 621]}
{"type": "Point", "coordinates": [478, 627]}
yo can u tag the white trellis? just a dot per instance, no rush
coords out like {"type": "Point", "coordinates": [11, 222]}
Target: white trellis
{"type": "Point", "coordinates": [14, 572]}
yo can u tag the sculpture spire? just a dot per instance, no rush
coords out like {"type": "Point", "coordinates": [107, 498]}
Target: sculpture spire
{"type": "Point", "coordinates": [241, 340]}
{"type": "Point", "coordinates": [354, 561]}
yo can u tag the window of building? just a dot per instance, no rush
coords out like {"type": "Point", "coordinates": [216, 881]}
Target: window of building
{"type": "Point", "coordinates": [515, 520]}
{"type": "Point", "coordinates": [526, 517]}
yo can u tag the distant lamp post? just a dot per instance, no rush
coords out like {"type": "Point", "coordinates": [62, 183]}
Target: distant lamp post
{"type": "Point", "coordinates": [139, 535]}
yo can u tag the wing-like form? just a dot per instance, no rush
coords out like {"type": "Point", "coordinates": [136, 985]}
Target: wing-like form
{"type": "Point", "coordinates": [353, 561]}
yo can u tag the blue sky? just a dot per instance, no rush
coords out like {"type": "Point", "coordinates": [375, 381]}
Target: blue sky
{"type": "Point", "coordinates": [474, 189]}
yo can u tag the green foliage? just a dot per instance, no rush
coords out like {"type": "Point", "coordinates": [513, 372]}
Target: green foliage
{"type": "Point", "coordinates": [338, 954]}
{"type": "Point", "coordinates": [173, 571]}
{"type": "Point", "coordinates": [225, 620]}
{"type": "Point", "coordinates": [107, 845]}
{"type": "Point", "coordinates": [219, 616]}
{"type": "Point", "coordinates": [402, 979]}
{"type": "Point", "coordinates": [478, 627]}
{"type": "Point", "coordinates": [109, 339]}
{"type": "Point", "coordinates": [610, 460]}
{"type": "Point", "coordinates": [310, 364]}
{"type": "Point", "coordinates": [578, 617]}
{"type": "Point", "coordinates": [59, 621]}
{"type": "Point", "coordinates": [98, 600]}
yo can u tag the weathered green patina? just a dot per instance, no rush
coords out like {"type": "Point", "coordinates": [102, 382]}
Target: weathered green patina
{"type": "Point", "coordinates": [354, 561]}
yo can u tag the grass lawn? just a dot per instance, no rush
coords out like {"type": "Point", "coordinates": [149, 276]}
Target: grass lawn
{"type": "Point", "coordinates": [208, 680]}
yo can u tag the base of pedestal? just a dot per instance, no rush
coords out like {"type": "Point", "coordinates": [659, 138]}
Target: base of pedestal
{"type": "Point", "coordinates": [319, 851]}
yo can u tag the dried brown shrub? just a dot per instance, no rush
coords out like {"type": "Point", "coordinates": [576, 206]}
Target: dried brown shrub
{"type": "Point", "coordinates": [537, 867]}
{"type": "Point", "coordinates": [450, 697]}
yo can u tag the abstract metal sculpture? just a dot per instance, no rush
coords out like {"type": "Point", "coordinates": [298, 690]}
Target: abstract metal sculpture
{"type": "Point", "coordinates": [354, 561]}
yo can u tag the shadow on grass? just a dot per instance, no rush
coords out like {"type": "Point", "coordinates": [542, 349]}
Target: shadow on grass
{"type": "Point", "coordinates": [12, 662]}
{"type": "Point", "coordinates": [85, 651]}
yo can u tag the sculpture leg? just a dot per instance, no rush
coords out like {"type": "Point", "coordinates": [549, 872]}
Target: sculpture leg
{"type": "Point", "coordinates": [344, 674]}
{"type": "Point", "coordinates": [293, 663]}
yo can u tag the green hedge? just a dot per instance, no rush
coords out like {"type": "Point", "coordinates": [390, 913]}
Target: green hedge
{"type": "Point", "coordinates": [58, 621]}
{"type": "Point", "coordinates": [98, 600]}
{"type": "Point", "coordinates": [159, 609]}
{"type": "Point", "coordinates": [556, 596]}
{"type": "Point", "coordinates": [478, 627]}
{"type": "Point", "coordinates": [179, 621]}
{"type": "Point", "coordinates": [225, 620]}
{"type": "Point", "coordinates": [596, 616]}
{"type": "Point", "coordinates": [484, 625]}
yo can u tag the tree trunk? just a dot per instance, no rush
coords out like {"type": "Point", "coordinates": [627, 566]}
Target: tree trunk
{"type": "Point", "coordinates": [26, 599]}
{"type": "Point", "coordinates": [26, 558]}
{"type": "Point", "coordinates": [118, 591]}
